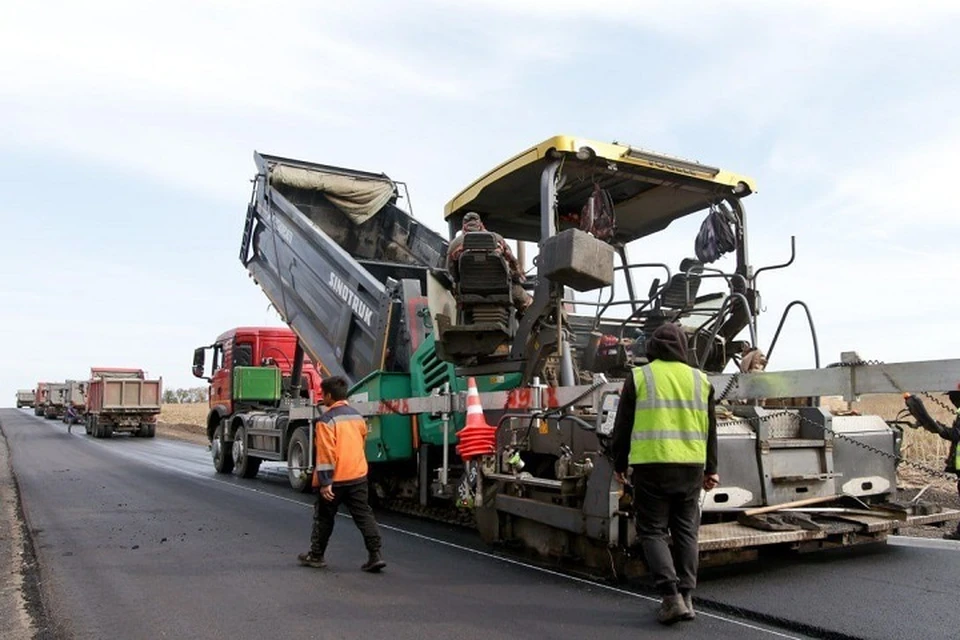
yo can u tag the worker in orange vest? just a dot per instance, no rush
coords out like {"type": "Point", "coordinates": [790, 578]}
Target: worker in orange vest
{"type": "Point", "coordinates": [341, 475]}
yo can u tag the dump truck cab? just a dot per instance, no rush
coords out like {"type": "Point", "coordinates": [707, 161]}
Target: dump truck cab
{"type": "Point", "coordinates": [583, 202]}
{"type": "Point", "coordinates": [263, 394]}
{"type": "Point", "coordinates": [254, 365]}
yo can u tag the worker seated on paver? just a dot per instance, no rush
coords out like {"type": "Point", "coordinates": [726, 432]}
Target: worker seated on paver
{"type": "Point", "coordinates": [473, 224]}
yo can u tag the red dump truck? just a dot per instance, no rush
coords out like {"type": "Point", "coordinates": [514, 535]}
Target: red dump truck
{"type": "Point", "coordinates": [40, 398]}
{"type": "Point", "coordinates": [122, 400]}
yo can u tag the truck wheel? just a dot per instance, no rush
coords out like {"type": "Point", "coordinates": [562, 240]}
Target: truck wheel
{"type": "Point", "coordinates": [107, 430]}
{"type": "Point", "coordinates": [245, 465]}
{"type": "Point", "coordinates": [298, 459]}
{"type": "Point", "coordinates": [147, 430]}
{"type": "Point", "coordinates": [222, 454]}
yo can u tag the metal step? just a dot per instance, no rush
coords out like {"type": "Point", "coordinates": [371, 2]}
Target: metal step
{"type": "Point", "coordinates": [542, 483]}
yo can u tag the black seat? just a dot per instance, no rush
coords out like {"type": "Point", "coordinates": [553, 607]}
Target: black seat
{"type": "Point", "coordinates": [674, 295]}
{"type": "Point", "coordinates": [678, 295]}
{"type": "Point", "coordinates": [484, 303]}
{"type": "Point", "coordinates": [484, 280]}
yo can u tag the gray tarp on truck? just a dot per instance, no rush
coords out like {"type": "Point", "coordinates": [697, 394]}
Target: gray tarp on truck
{"type": "Point", "coordinates": [359, 198]}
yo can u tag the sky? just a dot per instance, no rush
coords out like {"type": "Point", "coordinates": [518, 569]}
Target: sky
{"type": "Point", "coordinates": [127, 132]}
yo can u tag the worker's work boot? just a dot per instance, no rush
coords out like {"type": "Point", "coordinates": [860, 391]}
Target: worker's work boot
{"type": "Point", "coordinates": [672, 609]}
{"type": "Point", "coordinates": [688, 603]}
{"type": "Point", "coordinates": [311, 560]}
{"type": "Point", "coordinates": [374, 564]}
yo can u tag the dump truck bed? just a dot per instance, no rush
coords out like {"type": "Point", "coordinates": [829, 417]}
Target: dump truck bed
{"type": "Point", "coordinates": [329, 246]}
{"type": "Point", "coordinates": [107, 394]}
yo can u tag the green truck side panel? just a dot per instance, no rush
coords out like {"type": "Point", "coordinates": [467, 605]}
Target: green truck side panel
{"type": "Point", "coordinates": [428, 372]}
{"type": "Point", "coordinates": [390, 437]}
{"type": "Point", "coordinates": [256, 384]}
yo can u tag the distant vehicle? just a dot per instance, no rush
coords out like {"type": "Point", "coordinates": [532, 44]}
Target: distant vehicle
{"type": "Point", "coordinates": [26, 398]}
{"type": "Point", "coordinates": [40, 398]}
{"type": "Point", "coordinates": [122, 401]}
{"type": "Point", "coordinates": [55, 406]}
{"type": "Point", "coordinates": [75, 399]}
{"type": "Point", "coordinates": [262, 396]}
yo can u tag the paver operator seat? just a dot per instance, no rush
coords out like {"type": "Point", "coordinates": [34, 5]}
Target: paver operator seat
{"type": "Point", "coordinates": [483, 282]}
{"type": "Point", "coordinates": [484, 290]}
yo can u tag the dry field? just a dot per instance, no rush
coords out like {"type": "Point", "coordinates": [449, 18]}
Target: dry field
{"type": "Point", "coordinates": [184, 422]}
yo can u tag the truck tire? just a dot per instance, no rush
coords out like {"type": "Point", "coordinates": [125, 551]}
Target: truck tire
{"type": "Point", "coordinates": [147, 430]}
{"type": "Point", "coordinates": [107, 430]}
{"type": "Point", "coordinates": [245, 465]}
{"type": "Point", "coordinates": [298, 457]}
{"type": "Point", "coordinates": [95, 428]}
{"type": "Point", "coordinates": [222, 454]}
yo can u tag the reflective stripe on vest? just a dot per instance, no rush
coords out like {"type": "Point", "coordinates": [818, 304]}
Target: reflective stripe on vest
{"type": "Point", "coordinates": [671, 420]}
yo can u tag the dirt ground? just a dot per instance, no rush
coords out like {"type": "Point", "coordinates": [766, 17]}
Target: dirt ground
{"type": "Point", "coordinates": [184, 422]}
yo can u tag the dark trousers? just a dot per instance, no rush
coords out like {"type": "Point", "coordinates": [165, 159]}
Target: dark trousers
{"type": "Point", "coordinates": [667, 499]}
{"type": "Point", "coordinates": [356, 498]}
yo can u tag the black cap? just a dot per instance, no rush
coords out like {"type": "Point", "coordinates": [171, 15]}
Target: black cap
{"type": "Point", "coordinates": [668, 342]}
{"type": "Point", "coordinates": [954, 397]}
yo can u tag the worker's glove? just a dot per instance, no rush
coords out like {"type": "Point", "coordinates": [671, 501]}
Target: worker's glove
{"type": "Point", "coordinates": [917, 409]}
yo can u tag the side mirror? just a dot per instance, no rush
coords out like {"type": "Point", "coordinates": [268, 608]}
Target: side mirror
{"type": "Point", "coordinates": [199, 359]}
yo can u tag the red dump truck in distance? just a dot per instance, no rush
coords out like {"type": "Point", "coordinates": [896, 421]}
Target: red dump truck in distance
{"type": "Point", "coordinates": [40, 398]}
{"type": "Point", "coordinates": [122, 400]}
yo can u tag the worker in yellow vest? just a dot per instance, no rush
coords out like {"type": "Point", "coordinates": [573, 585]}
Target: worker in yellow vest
{"type": "Point", "coordinates": [665, 432]}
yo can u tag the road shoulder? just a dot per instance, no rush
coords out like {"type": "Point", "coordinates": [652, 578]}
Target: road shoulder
{"type": "Point", "coordinates": [21, 603]}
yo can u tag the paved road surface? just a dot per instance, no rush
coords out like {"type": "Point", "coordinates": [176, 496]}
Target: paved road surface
{"type": "Point", "coordinates": [139, 538]}
{"type": "Point", "coordinates": [882, 591]}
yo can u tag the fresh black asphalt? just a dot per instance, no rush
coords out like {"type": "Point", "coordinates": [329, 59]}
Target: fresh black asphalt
{"type": "Point", "coordinates": [140, 538]}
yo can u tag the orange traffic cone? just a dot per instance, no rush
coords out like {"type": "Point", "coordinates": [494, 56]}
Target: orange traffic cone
{"type": "Point", "coordinates": [477, 438]}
